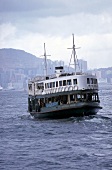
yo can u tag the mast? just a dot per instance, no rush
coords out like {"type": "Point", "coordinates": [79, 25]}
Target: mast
{"type": "Point", "coordinates": [45, 60]}
{"type": "Point", "coordinates": [74, 55]}
{"type": "Point", "coordinates": [45, 57]}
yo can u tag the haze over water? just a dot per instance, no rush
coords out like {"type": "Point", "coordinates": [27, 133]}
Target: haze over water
{"type": "Point", "coordinates": [75, 143]}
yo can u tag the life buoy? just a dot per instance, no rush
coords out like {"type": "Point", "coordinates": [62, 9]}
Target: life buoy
{"type": "Point", "coordinates": [70, 88]}
{"type": "Point", "coordinates": [76, 87]}
{"type": "Point", "coordinates": [66, 89]}
{"type": "Point", "coordinates": [59, 89]}
{"type": "Point", "coordinates": [62, 89]}
{"type": "Point", "coordinates": [56, 90]}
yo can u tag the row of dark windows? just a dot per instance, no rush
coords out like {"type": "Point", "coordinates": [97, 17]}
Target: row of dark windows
{"type": "Point", "coordinates": [91, 81]}
{"type": "Point", "coordinates": [37, 104]}
{"type": "Point", "coordinates": [60, 83]}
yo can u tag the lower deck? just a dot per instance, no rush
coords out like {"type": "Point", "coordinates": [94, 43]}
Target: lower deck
{"type": "Point", "coordinates": [67, 110]}
{"type": "Point", "coordinates": [64, 104]}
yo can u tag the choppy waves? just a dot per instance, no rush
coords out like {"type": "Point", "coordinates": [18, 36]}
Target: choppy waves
{"type": "Point", "coordinates": [82, 143]}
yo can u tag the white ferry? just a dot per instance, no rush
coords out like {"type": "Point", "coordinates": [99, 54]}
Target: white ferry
{"type": "Point", "coordinates": [63, 95]}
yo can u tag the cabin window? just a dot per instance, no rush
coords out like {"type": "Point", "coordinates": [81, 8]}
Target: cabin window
{"type": "Point", "coordinates": [78, 97]}
{"type": "Point", "coordinates": [45, 85]}
{"type": "Point", "coordinates": [93, 97]}
{"type": "Point", "coordinates": [50, 85]}
{"type": "Point", "coordinates": [91, 80]}
{"type": "Point", "coordinates": [64, 82]}
{"type": "Point", "coordinates": [40, 86]}
{"type": "Point", "coordinates": [56, 83]}
{"type": "Point", "coordinates": [88, 81]}
{"type": "Point", "coordinates": [42, 102]}
{"type": "Point", "coordinates": [97, 98]}
{"type": "Point", "coordinates": [53, 84]}
{"type": "Point", "coordinates": [37, 86]}
{"type": "Point", "coordinates": [69, 82]}
{"type": "Point", "coordinates": [74, 81]}
{"type": "Point", "coordinates": [95, 81]}
{"type": "Point", "coordinates": [72, 98]}
{"type": "Point", "coordinates": [30, 86]}
{"type": "Point", "coordinates": [89, 98]}
{"type": "Point", "coordinates": [60, 83]}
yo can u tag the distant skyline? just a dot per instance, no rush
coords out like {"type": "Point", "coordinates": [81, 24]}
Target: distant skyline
{"type": "Point", "coordinates": [28, 24]}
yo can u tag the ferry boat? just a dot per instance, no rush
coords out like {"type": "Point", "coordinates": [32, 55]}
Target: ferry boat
{"type": "Point", "coordinates": [63, 95]}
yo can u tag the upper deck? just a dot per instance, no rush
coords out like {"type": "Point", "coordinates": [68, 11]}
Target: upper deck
{"type": "Point", "coordinates": [63, 83]}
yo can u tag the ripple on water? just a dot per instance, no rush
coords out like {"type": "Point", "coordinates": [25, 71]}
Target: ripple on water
{"type": "Point", "coordinates": [82, 143]}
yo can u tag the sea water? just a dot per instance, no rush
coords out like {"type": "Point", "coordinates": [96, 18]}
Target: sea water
{"type": "Point", "coordinates": [83, 143]}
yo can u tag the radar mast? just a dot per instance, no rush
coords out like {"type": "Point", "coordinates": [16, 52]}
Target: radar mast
{"type": "Point", "coordinates": [45, 60]}
{"type": "Point", "coordinates": [74, 55]}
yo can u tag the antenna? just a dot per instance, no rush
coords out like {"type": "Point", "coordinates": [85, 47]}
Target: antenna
{"type": "Point", "coordinates": [70, 62]}
{"type": "Point", "coordinates": [74, 54]}
{"type": "Point", "coordinates": [45, 60]}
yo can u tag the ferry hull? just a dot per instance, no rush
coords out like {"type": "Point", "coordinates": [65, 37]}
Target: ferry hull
{"type": "Point", "coordinates": [85, 110]}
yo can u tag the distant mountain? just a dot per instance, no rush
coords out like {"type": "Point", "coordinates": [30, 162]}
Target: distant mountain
{"type": "Point", "coordinates": [12, 58]}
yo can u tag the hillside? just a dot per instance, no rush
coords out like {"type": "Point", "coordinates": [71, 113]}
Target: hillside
{"type": "Point", "coordinates": [12, 58]}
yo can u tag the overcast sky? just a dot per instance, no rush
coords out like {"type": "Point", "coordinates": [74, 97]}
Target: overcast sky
{"type": "Point", "coordinates": [28, 24]}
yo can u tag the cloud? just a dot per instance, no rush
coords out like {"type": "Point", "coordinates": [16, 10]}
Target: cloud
{"type": "Point", "coordinates": [96, 49]}
{"type": "Point", "coordinates": [66, 6]}
{"type": "Point", "coordinates": [27, 24]}
{"type": "Point", "coordinates": [7, 31]}
{"type": "Point", "coordinates": [80, 24]}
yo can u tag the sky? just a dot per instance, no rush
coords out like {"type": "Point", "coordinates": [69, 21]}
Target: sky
{"type": "Point", "coordinates": [28, 24]}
